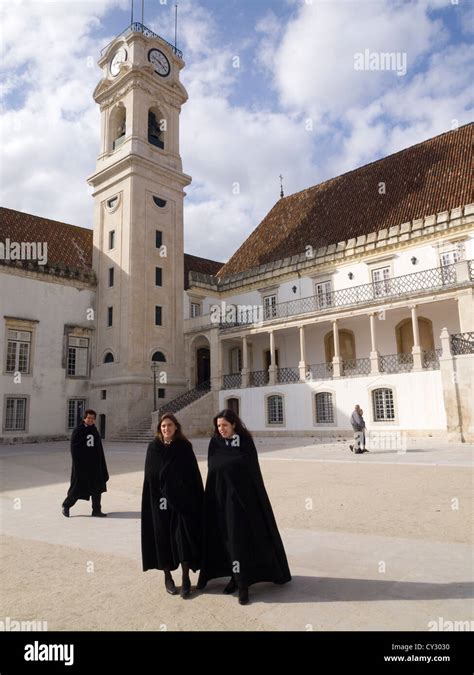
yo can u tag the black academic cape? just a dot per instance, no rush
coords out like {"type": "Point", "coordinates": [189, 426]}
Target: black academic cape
{"type": "Point", "coordinates": [240, 535]}
{"type": "Point", "coordinates": [89, 473]}
{"type": "Point", "coordinates": [172, 504]}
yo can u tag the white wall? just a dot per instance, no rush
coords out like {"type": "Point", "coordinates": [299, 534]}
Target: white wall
{"type": "Point", "coordinates": [53, 305]}
{"type": "Point", "coordinates": [418, 403]}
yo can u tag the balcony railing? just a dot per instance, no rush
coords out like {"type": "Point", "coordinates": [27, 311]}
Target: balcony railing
{"type": "Point", "coordinates": [288, 375]}
{"type": "Point", "coordinates": [258, 378]}
{"type": "Point", "coordinates": [355, 367]}
{"type": "Point", "coordinates": [403, 286]}
{"type": "Point", "coordinates": [396, 363]}
{"type": "Point", "coordinates": [462, 343]}
{"type": "Point", "coordinates": [185, 399]}
{"type": "Point", "coordinates": [431, 359]}
{"type": "Point", "coordinates": [137, 27]}
{"type": "Point", "coordinates": [232, 381]}
{"type": "Point", "coordinates": [320, 371]}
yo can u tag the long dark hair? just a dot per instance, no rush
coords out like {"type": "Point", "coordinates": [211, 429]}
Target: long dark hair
{"type": "Point", "coordinates": [178, 434]}
{"type": "Point", "coordinates": [232, 418]}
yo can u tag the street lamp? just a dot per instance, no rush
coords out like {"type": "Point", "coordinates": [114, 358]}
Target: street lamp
{"type": "Point", "coordinates": [154, 367]}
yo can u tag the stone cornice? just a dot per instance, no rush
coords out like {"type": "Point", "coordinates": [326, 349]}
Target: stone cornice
{"type": "Point", "coordinates": [352, 250]}
{"type": "Point", "coordinates": [67, 276]}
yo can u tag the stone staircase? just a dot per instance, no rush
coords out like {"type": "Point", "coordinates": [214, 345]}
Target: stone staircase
{"type": "Point", "coordinates": [194, 409]}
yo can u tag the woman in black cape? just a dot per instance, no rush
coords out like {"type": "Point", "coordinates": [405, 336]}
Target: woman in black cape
{"type": "Point", "coordinates": [240, 535]}
{"type": "Point", "coordinates": [172, 505]}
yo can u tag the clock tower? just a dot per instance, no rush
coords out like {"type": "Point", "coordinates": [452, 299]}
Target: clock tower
{"type": "Point", "coordinates": [138, 188]}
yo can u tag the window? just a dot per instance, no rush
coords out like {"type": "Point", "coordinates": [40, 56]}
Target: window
{"type": "Point", "coordinates": [118, 126]}
{"type": "Point", "coordinates": [158, 316]}
{"type": "Point", "coordinates": [15, 414]}
{"type": "Point", "coordinates": [233, 404]}
{"type": "Point", "coordinates": [159, 356]}
{"type": "Point", "coordinates": [324, 408]}
{"type": "Point", "coordinates": [75, 412]}
{"type": "Point", "coordinates": [111, 240]}
{"type": "Point", "coordinates": [18, 351]}
{"type": "Point", "coordinates": [159, 238]}
{"type": "Point", "coordinates": [380, 280]}
{"type": "Point", "coordinates": [112, 203]}
{"type": "Point", "coordinates": [447, 259]}
{"type": "Point", "coordinates": [156, 127]}
{"type": "Point", "coordinates": [103, 394]}
{"type": "Point", "coordinates": [275, 410]}
{"type": "Point", "coordinates": [195, 309]}
{"type": "Point", "coordinates": [161, 393]}
{"type": "Point", "coordinates": [161, 203]}
{"type": "Point", "coordinates": [77, 357]}
{"type": "Point", "coordinates": [109, 358]}
{"type": "Point", "coordinates": [384, 409]}
{"type": "Point", "coordinates": [111, 276]}
{"type": "Point", "coordinates": [235, 360]}
{"type": "Point", "coordinates": [110, 316]}
{"type": "Point", "coordinates": [269, 307]}
{"type": "Point", "coordinates": [323, 292]}
{"type": "Point", "coordinates": [158, 276]}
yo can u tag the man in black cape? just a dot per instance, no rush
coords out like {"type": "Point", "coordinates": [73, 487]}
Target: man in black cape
{"type": "Point", "coordinates": [89, 473]}
{"type": "Point", "coordinates": [241, 537]}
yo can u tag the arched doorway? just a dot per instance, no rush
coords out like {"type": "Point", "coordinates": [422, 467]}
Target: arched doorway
{"type": "Point", "coordinates": [203, 365]}
{"type": "Point", "coordinates": [346, 345]}
{"type": "Point", "coordinates": [404, 333]}
{"type": "Point", "coordinates": [233, 404]}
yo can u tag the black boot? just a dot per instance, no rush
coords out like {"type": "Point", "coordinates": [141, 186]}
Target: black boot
{"type": "Point", "coordinates": [169, 584]}
{"type": "Point", "coordinates": [243, 595]}
{"type": "Point", "coordinates": [185, 583]}
{"type": "Point", "coordinates": [231, 587]}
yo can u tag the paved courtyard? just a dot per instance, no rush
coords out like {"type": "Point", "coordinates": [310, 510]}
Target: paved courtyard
{"type": "Point", "coordinates": [380, 541]}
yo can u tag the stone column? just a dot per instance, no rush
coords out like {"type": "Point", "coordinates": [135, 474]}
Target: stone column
{"type": "Point", "coordinates": [374, 355]}
{"type": "Point", "coordinates": [244, 362]}
{"type": "Point", "coordinates": [337, 361]}
{"type": "Point", "coordinates": [272, 369]}
{"type": "Point", "coordinates": [302, 363]}
{"type": "Point", "coordinates": [449, 386]}
{"type": "Point", "coordinates": [416, 351]}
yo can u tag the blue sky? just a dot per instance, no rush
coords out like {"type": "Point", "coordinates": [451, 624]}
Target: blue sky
{"type": "Point", "coordinates": [296, 105]}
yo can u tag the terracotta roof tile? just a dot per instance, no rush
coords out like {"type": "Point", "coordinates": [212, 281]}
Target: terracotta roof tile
{"type": "Point", "coordinates": [422, 180]}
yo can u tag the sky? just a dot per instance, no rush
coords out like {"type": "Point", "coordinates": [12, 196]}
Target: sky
{"type": "Point", "coordinates": [291, 87]}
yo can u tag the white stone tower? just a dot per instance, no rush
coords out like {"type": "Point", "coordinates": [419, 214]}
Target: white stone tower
{"type": "Point", "coordinates": [138, 188]}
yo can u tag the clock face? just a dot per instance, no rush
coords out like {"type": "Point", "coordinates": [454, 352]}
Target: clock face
{"type": "Point", "coordinates": [119, 57]}
{"type": "Point", "coordinates": [159, 60]}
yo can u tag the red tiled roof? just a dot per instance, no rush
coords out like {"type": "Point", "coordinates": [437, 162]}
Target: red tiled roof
{"type": "Point", "coordinates": [425, 179]}
{"type": "Point", "coordinates": [195, 264]}
{"type": "Point", "coordinates": [68, 245]}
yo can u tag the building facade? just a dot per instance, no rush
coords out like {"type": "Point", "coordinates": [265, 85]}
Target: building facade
{"type": "Point", "coordinates": [357, 290]}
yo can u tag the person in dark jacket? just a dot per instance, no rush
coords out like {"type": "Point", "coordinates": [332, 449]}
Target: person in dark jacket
{"type": "Point", "coordinates": [89, 473]}
{"type": "Point", "coordinates": [241, 537]}
{"type": "Point", "coordinates": [359, 428]}
{"type": "Point", "coordinates": [172, 504]}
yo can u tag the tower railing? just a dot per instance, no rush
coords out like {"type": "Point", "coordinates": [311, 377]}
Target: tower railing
{"type": "Point", "coordinates": [137, 27]}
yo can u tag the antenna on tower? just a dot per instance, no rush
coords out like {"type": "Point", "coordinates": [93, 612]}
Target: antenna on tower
{"type": "Point", "coordinates": [131, 17]}
{"type": "Point", "coordinates": [143, 12]}
{"type": "Point", "coordinates": [176, 27]}
{"type": "Point", "coordinates": [282, 194]}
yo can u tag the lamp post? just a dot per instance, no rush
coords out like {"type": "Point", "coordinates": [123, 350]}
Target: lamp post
{"type": "Point", "coordinates": [154, 367]}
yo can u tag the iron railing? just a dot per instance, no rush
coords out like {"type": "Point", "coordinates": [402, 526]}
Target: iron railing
{"type": "Point", "coordinates": [471, 269]}
{"type": "Point", "coordinates": [462, 343]}
{"type": "Point", "coordinates": [137, 27]}
{"type": "Point", "coordinates": [288, 375]}
{"type": "Point", "coordinates": [438, 277]}
{"type": "Point", "coordinates": [355, 367]}
{"type": "Point", "coordinates": [395, 363]}
{"type": "Point", "coordinates": [185, 399]}
{"type": "Point", "coordinates": [431, 359]}
{"type": "Point", "coordinates": [258, 378]}
{"type": "Point", "coordinates": [319, 371]}
{"type": "Point", "coordinates": [232, 381]}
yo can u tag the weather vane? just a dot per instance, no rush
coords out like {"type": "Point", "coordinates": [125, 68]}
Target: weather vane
{"type": "Point", "coordinates": [282, 194]}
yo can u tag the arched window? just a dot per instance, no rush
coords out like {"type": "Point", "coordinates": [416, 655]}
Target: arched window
{"type": "Point", "coordinates": [156, 128]}
{"type": "Point", "coordinates": [117, 126]}
{"type": "Point", "coordinates": [275, 409]}
{"type": "Point", "coordinates": [159, 357]}
{"type": "Point", "coordinates": [404, 334]}
{"type": "Point", "coordinates": [346, 345]}
{"type": "Point", "coordinates": [324, 408]}
{"type": "Point", "coordinates": [383, 405]}
{"type": "Point", "coordinates": [109, 358]}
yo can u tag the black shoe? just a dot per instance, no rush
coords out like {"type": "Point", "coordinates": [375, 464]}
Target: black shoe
{"type": "Point", "coordinates": [201, 585]}
{"type": "Point", "coordinates": [170, 587]}
{"type": "Point", "coordinates": [231, 587]}
{"type": "Point", "coordinates": [352, 448]}
{"type": "Point", "coordinates": [243, 595]}
{"type": "Point", "coordinates": [65, 510]}
{"type": "Point", "coordinates": [99, 514]}
{"type": "Point", "coordinates": [185, 588]}
{"type": "Point", "coordinates": [365, 450]}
